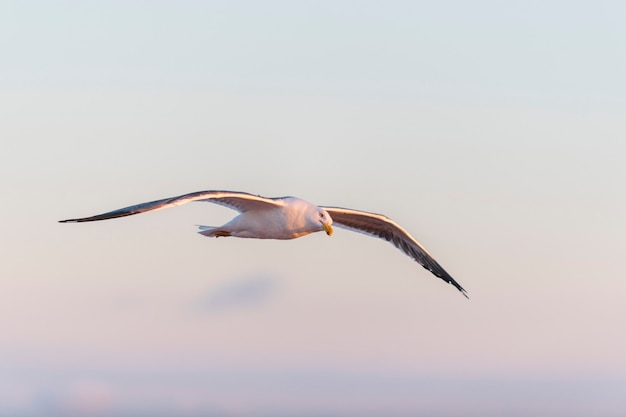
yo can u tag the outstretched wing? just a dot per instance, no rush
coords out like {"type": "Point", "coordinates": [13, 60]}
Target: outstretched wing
{"type": "Point", "coordinates": [235, 200]}
{"type": "Point", "coordinates": [383, 227]}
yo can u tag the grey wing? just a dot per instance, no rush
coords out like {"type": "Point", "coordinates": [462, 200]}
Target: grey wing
{"type": "Point", "coordinates": [235, 200]}
{"type": "Point", "coordinates": [383, 227]}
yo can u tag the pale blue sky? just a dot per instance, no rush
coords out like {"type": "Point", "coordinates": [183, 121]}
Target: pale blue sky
{"type": "Point", "coordinates": [492, 132]}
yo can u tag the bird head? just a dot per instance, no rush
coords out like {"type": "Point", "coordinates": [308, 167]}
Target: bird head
{"type": "Point", "coordinates": [325, 221]}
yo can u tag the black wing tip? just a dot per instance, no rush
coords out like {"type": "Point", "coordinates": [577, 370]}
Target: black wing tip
{"type": "Point", "coordinates": [85, 219]}
{"type": "Point", "coordinates": [464, 293]}
{"type": "Point", "coordinates": [99, 217]}
{"type": "Point", "coordinates": [458, 287]}
{"type": "Point", "coordinates": [441, 273]}
{"type": "Point", "coordinates": [82, 220]}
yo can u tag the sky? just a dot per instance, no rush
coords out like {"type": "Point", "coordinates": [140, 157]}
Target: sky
{"type": "Point", "coordinates": [493, 132]}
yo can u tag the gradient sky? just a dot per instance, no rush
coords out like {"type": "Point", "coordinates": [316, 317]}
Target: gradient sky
{"type": "Point", "coordinates": [495, 133]}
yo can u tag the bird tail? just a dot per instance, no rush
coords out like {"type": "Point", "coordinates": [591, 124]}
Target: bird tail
{"type": "Point", "coordinates": [210, 231]}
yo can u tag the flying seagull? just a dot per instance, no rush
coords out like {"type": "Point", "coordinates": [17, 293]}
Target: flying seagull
{"type": "Point", "coordinates": [288, 218]}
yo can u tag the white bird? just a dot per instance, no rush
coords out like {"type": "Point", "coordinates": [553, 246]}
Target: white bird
{"type": "Point", "coordinates": [288, 218]}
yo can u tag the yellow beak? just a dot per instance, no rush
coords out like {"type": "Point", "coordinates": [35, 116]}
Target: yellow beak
{"type": "Point", "coordinates": [328, 229]}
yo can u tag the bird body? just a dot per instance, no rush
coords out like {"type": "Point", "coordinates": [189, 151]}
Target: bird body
{"type": "Point", "coordinates": [288, 218]}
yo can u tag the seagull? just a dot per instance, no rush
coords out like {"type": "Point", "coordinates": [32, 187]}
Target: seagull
{"type": "Point", "coordinates": [288, 218]}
